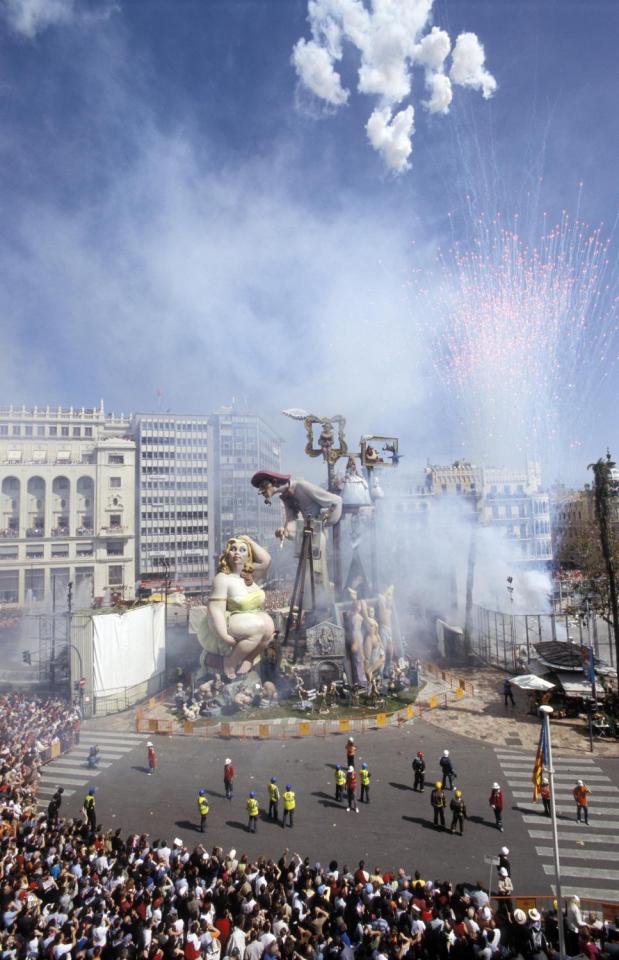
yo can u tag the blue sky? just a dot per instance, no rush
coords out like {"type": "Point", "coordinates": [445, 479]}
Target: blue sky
{"type": "Point", "coordinates": [180, 213]}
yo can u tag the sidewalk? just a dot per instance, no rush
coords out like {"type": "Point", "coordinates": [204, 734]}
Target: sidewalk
{"type": "Point", "coordinates": [484, 717]}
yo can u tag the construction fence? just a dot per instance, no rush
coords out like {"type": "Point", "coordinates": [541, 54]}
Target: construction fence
{"type": "Point", "coordinates": [289, 728]}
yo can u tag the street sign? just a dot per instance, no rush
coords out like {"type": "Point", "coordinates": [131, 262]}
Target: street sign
{"type": "Point", "coordinates": [82, 681]}
{"type": "Point", "coordinates": [493, 861]}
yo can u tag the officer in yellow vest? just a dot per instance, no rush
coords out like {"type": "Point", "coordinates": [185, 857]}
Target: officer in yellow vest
{"type": "Point", "coordinates": [364, 780]}
{"type": "Point", "coordinates": [340, 782]}
{"type": "Point", "coordinates": [89, 809]}
{"type": "Point", "coordinates": [289, 804]}
{"type": "Point", "coordinates": [202, 809]}
{"type": "Point", "coordinates": [273, 799]}
{"type": "Point", "coordinates": [252, 812]}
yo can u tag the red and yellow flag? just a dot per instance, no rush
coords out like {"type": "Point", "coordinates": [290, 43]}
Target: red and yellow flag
{"type": "Point", "coordinates": [541, 762]}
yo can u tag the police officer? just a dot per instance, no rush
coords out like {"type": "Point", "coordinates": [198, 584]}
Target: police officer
{"type": "Point", "coordinates": [89, 809]}
{"type": "Point", "coordinates": [437, 799]}
{"type": "Point", "coordinates": [53, 807]}
{"type": "Point", "coordinates": [289, 805]}
{"type": "Point", "coordinates": [351, 790]}
{"type": "Point", "coordinates": [273, 799]}
{"type": "Point", "coordinates": [448, 771]}
{"type": "Point", "coordinates": [340, 781]}
{"type": "Point", "coordinates": [202, 809]}
{"type": "Point", "coordinates": [364, 780]}
{"type": "Point", "coordinates": [458, 812]}
{"type": "Point", "coordinates": [252, 812]}
{"type": "Point", "coordinates": [419, 769]}
{"type": "Point", "coordinates": [544, 792]}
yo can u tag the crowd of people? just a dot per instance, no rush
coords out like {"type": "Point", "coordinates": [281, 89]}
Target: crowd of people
{"type": "Point", "coordinates": [72, 890]}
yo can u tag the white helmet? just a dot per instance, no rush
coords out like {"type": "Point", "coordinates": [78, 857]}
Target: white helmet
{"type": "Point", "coordinates": [496, 786]}
{"type": "Point", "coordinates": [504, 851]}
{"type": "Point", "coordinates": [149, 743]}
{"type": "Point", "coordinates": [351, 739]}
{"type": "Point", "coordinates": [445, 753]}
{"type": "Point", "coordinates": [227, 760]}
{"type": "Point", "coordinates": [580, 783]}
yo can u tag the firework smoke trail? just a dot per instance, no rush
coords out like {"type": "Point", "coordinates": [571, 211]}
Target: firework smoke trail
{"type": "Point", "coordinates": [522, 336]}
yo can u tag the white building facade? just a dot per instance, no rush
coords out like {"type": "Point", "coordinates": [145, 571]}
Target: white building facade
{"type": "Point", "coordinates": [67, 482]}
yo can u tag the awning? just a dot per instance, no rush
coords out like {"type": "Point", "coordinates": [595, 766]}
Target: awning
{"type": "Point", "coordinates": [530, 682]}
{"type": "Point", "coordinates": [574, 686]}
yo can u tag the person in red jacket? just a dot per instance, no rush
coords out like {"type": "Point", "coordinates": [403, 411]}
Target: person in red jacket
{"type": "Point", "coordinates": [351, 790]}
{"type": "Point", "coordinates": [496, 802]}
{"type": "Point", "coordinates": [228, 777]}
{"type": "Point", "coordinates": [152, 758]}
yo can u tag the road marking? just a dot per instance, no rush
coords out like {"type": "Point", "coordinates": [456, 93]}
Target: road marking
{"type": "Point", "coordinates": [68, 761]}
{"type": "Point", "coordinates": [61, 779]}
{"type": "Point", "coordinates": [530, 758]}
{"type": "Point", "coordinates": [90, 732]}
{"type": "Point", "coordinates": [596, 823]}
{"type": "Point", "coordinates": [584, 838]}
{"type": "Point", "coordinates": [111, 741]}
{"type": "Point", "coordinates": [561, 795]}
{"type": "Point", "coordinates": [50, 791]}
{"type": "Point", "coordinates": [591, 778]}
{"type": "Point", "coordinates": [588, 873]}
{"type": "Point", "coordinates": [82, 751]}
{"type": "Point", "coordinates": [519, 768]}
{"type": "Point", "coordinates": [569, 854]}
{"type": "Point", "coordinates": [587, 893]}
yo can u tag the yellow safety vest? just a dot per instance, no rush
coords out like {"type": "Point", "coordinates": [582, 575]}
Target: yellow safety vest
{"type": "Point", "coordinates": [340, 778]}
{"type": "Point", "coordinates": [273, 791]}
{"type": "Point", "coordinates": [289, 800]}
{"type": "Point", "coordinates": [203, 806]}
{"type": "Point", "coordinates": [89, 801]}
{"type": "Point", "coordinates": [252, 807]}
{"type": "Point", "coordinates": [364, 777]}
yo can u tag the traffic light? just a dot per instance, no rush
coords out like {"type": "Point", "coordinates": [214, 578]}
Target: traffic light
{"type": "Point", "coordinates": [26, 657]}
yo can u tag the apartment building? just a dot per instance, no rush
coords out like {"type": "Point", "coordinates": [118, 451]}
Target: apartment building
{"type": "Point", "coordinates": [67, 479]}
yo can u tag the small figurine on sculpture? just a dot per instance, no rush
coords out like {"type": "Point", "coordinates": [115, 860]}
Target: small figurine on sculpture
{"type": "Point", "coordinates": [373, 650]}
{"type": "Point", "coordinates": [236, 627]}
{"type": "Point", "coordinates": [353, 486]}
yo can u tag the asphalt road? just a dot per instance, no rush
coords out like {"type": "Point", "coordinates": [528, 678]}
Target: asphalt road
{"type": "Point", "coordinates": [395, 829]}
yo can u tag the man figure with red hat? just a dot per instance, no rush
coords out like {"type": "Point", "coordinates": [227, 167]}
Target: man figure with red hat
{"type": "Point", "coordinates": [304, 502]}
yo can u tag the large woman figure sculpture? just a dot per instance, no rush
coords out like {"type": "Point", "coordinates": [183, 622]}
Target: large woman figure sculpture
{"type": "Point", "coordinates": [236, 626]}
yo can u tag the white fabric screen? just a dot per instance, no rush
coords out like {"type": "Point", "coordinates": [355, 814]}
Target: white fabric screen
{"type": "Point", "coordinates": [128, 648]}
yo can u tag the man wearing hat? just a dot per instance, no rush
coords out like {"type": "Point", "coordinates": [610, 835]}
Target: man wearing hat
{"type": "Point", "coordinates": [304, 502]}
{"type": "Point", "coordinates": [228, 777]}
{"type": "Point", "coordinates": [438, 803]}
{"type": "Point", "coordinates": [289, 805]}
{"type": "Point", "coordinates": [273, 799]}
{"type": "Point", "coordinates": [544, 792]}
{"type": "Point", "coordinates": [496, 802]}
{"type": "Point", "coordinates": [202, 809]}
{"type": "Point", "coordinates": [252, 812]}
{"type": "Point", "coordinates": [458, 812]}
{"type": "Point", "coordinates": [89, 809]}
{"type": "Point", "coordinates": [419, 769]}
{"type": "Point", "coordinates": [152, 758]}
{"type": "Point", "coordinates": [351, 752]}
{"type": "Point", "coordinates": [581, 796]}
{"type": "Point", "coordinates": [340, 781]}
{"type": "Point", "coordinates": [351, 790]}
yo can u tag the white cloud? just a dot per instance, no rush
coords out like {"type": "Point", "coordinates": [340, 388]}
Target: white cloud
{"type": "Point", "coordinates": [441, 93]}
{"type": "Point", "coordinates": [30, 17]}
{"type": "Point", "coordinates": [315, 68]}
{"type": "Point", "coordinates": [467, 67]}
{"type": "Point", "coordinates": [391, 38]}
{"type": "Point", "coordinates": [392, 136]}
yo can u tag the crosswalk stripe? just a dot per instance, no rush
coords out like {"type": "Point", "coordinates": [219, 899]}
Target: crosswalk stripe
{"type": "Point", "coordinates": [584, 838]}
{"type": "Point", "coordinates": [82, 752]}
{"type": "Point", "coordinates": [563, 795]}
{"type": "Point", "coordinates": [50, 791]}
{"type": "Point", "coordinates": [538, 818]}
{"type": "Point", "coordinates": [110, 742]}
{"type": "Point", "coordinates": [561, 807]}
{"type": "Point", "coordinates": [68, 761]}
{"type": "Point", "coordinates": [71, 772]}
{"type": "Point", "coordinates": [588, 873]}
{"type": "Point", "coordinates": [61, 779]}
{"type": "Point", "coordinates": [110, 735]}
{"type": "Point", "coordinates": [517, 768]}
{"type": "Point", "coordinates": [588, 893]}
{"type": "Point", "coordinates": [530, 758]}
{"type": "Point", "coordinates": [569, 854]}
{"type": "Point", "coordinates": [558, 777]}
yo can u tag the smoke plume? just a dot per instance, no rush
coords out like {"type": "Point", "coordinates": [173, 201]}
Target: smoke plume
{"type": "Point", "coordinates": [391, 40]}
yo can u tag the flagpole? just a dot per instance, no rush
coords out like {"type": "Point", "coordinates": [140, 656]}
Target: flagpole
{"type": "Point", "coordinates": [545, 711]}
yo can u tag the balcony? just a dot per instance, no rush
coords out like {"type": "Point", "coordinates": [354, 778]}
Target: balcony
{"type": "Point", "coordinates": [60, 531]}
{"type": "Point", "coordinates": [85, 532]}
{"type": "Point", "coordinates": [35, 532]}
{"type": "Point", "coordinates": [111, 531]}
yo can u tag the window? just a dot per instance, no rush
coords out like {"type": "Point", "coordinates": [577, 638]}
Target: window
{"type": "Point", "coordinates": [16, 430]}
{"type": "Point", "coordinates": [34, 553]}
{"type": "Point", "coordinates": [115, 576]}
{"type": "Point", "coordinates": [84, 550]}
{"type": "Point", "coordinates": [40, 431]}
{"type": "Point", "coordinates": [53, 431]}
{"type": "Point", "coordinates": [60, 550]}
{"type": "Point", "coordinates": [77, 431]}
{"type": "Point", "coordinates": [8, 553]}
{"type": "Point", "coordinates": [35, 584]}
{"type": "Point", "coordinates": [4, 430]}
{"type": "Point", "coordinates": [28, 430]}
{"type": "Point", "coordinates": [115, 520]}
{"type": "Point", "coordinates": [64, 431]}
{"type": "Point", "coordinates": [116, 458]}
{"type": "Point", "coordinates": [88, 431]}
{"type": "Point", "coordinates": [115, 548]}
{"type": "Point", "coordinates": [115, 483]}
{"type": "Point", "coordinates": [9, 586]}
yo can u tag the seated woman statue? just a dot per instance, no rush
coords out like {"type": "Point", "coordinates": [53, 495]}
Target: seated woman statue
{"type": "Point", "coordinates": [236, 626]}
